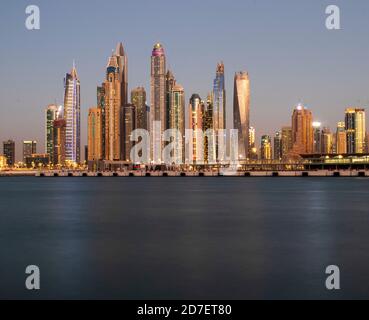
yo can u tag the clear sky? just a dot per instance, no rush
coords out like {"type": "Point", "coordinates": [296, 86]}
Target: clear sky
{"type": "Point", "coordinates": [284, 45]}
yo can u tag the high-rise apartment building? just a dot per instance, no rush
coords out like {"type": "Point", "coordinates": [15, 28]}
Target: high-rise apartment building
{"type": "Point", "coordinates": [95, 134]}
{"type": "Point", "coordinates": [138, 99]}
{"type": "Point", "coordinates": [241, 112]}
{"type": "Point", "coordinates": [355, 130]}
{"type": "Point", "coordinates": [327, 141]}
{"type": "Point", "coordinates": [196, 114]}
{"type": "Point", "coordinates": [72, 116]}
{"type": "Point", "coordinates": [128, 126]}
{"type": "Point", "coordinates": [287, 143]}
{"type": "Point", "coordinates": [277, 150]}
{"type": "Point", "coordinates": [59, 142]}
{"type": "Point", "coordinates": [266, 148]}
{"type": "Point", "coordinates": [29, 148]}
{"type": "Point", "coordinates": [51, 114]}
{"type": "Point", "coordinates": [9, 152]}
{"type": "Point", "coordinates": [341, 138]}
{"type": "Point", "coordinates": [302, 130]}
{"type": "Point", "coordinates": [317, 127]}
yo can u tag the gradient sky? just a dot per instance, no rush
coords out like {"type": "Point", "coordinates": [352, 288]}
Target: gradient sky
{"type": "Point", "coordinates": [283, 44]}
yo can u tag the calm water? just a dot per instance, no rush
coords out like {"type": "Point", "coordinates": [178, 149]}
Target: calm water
{"type": "Point", "coordinates": [184, 238]}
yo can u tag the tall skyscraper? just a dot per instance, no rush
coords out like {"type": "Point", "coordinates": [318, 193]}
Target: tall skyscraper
{"type": "Point", "coordinates": [170, 82]}
{"type": "Point", "coordinates": [302, 130]}
{"type": "Point", "coordinates": [29, 148]}
{"type": "Point", "coordinates": [158, 88]}
{"type": "Point", "coordinates": [327, 141]}
{"type": "Point", "coordinates": [278, 146]}
{"type": "Point", "coordinates": [254, 154]}
{"type": "Point", "coordinates": [196, 112]}
{"type": "Point", "coordinates": [341, 138]}
{"type": "Point", "coordinates": [101, 105]}
{"type": "Point", "coordinates": [72, 115]}
{"type": "Point", "coordinates": [317, 148]}
{"type": "Point", "coordinates": [219, 99]}
{"type": "Point", "coordinates": [287, 143]}
{"type": "Point", "coordinates": [177, 115]}
{"type": "Point", "coordinates": [51, 114]}
{"type": "Point", "coordinates": [241, 112]}
{"type": "Point", "coordinates": [138, 99]}
{"type": "Point", "coordinates": [266, 148]}
{"type": "Point", "coordinates": [9, 152]}
{"type": "Point", "coordinates": [115, 88]}
{"type": "Point", "coordinates": [128, 126]}
{"type": "Point", "coordinates": [356, 130]}
{"type": "Point", "coordinates": [59, 142]}
{"type": "Point", "coordinates": [209, 142]}
{"type": "Point", "coordinates": [95, 134]}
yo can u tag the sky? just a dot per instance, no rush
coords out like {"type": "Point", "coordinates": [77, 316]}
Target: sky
{"type": "Point", "coordinates": [285, 46]}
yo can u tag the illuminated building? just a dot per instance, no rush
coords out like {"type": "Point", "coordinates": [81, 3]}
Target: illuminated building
{"type": "Point", "coordinates": [138, 99]}
{"type": "Point", "coordinates": [341, 138]}
{"type": "Point", "coordinates": [72, 115]}
{"type": "Point", "coordinates": [9, 152]}
{"type": "Point", "coordinates": [59, 136]}
{"type": "Point", "coordinates": [116, 86]}
{"type": "Point", "coordinates": [302, 130]}
{"type": "Point", "coordinates": [3, 162]}
{"type": "Point", "coordinates": [177, 115]}
{"type": "Point", "coordinates": [158, 110]}
{"type": "Point", "coordinates": [317, 138]}
{"type": "Point", "coordinates": [209, 141]}
{"type": "Point", "coordinates": [287, 143]}
{"type": "Point", "coordinates": [219, 102]}
{"type": "Point", "coordinates": [128, 126]}
{"type": "Point", "coordinates": [29, 148]}
{"type": "Point", "coordinates": [95, 134]}
{"type": "Point", "coordinates": [170, 82]}
{"type": "Point", "coordinates": [196, 110]}
{"type": "Point", "coordinates": [327, 141]}
{"type": "Point", "coordinates": [241, 112]}
{"type": "Point", "coordinates": [266, 148]}
{"type": "Point", "coordinates": [252, 145]}
{"type": "Point", "coordinates": [277, 146]}
{"type": "Point", "coordinates": [355, 130]}
{"type": "Point", "coordinates": [51, 114]}
{"type": "Point", "coordinates": [37, 161]}
{"type": "Point", "coordinates": [101, 105]}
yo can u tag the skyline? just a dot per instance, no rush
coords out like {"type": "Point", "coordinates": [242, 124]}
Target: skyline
{"type": "Point", "coordinates": [272, 96]}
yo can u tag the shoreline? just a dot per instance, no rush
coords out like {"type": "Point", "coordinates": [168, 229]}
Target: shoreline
{"type": "Point", "coordinates": [294, 174]}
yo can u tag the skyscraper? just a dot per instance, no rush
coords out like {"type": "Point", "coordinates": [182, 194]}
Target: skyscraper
{"type": "Point", "coordinates": [177, 116]}
{"type": "Point", "coordinates": [158, 88]}
{"type": "Point", "coordinates": [72, 115]}
{"type": "Point", "coordinates": [170, 82]}
{"type": "Point", "coordinates": [138, 99]}
{"type": "Point", "coordinates": [115, 97]}
{"type": "Point", "coordinates": [241, 112]}
{"type": "Point", "coordinates": [252, 144]}
{"type": "Point", "coordinates": [29, 148]}
{"type": "Point", "coordinates": [101, 105]}
{"type": "Point", "coordinates": [302, 130]}
{"type": "Point", "coordinates": [9, 152]}
{"type": "Point", "coordinates": [266, 148]}
{"type": "Point", "coordinates": [317, 148]}
{"type": "Point", "coordinates": [128, 126]}
{"type": "Point", "coordinates": [51, 114]}
{"type": "Point", "coordinates": [59, 137]}
{"type": "Point", "coordinates": [327, 141]}
{"type": "Point", "coordinates": [95, 134]}
{"type": "Point", "coordinates": [278, 146]}
{"type": "Point", "coordinates": [287, 143]}
{"type": "Point", "coordinates": [219, 99]}
{"type": "Point", "coordinates": [209, 142]}
{"type": "Point", "coordinates": [341, 138]}
{"type": "Point", "coordinates": [196, 111]}
{"type": "Point", "coordinates": [356, 130]}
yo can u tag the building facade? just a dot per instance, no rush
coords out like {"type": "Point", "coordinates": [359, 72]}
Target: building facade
{"type": "Point", "coordinates": [302, 130]}
{"type": "Point", "coordinates": [72, 115]}
{"type": "Point", "coordinates": [29, 148]}
{"type": "Point", "coordinates": [9, 152]}
{"type": "Point", "coordinates": [59, 142]}
{"type": "Point", "coordinates": [341, 138]}
{"type": "Point", "coordinates": [138, 99]}
{"type": "Point", "coordinates": [355, 130]}
{"type": "Point", "coordinates": [196, 113]}
{"type": "Point", "coordinates": [129, 125]}
{"type": "Point", "coordinates": [95, 134]}
{"type": "Point", "coordinates": [241, 112]}
{"type": "Point", "coordinates": [266, 148]}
